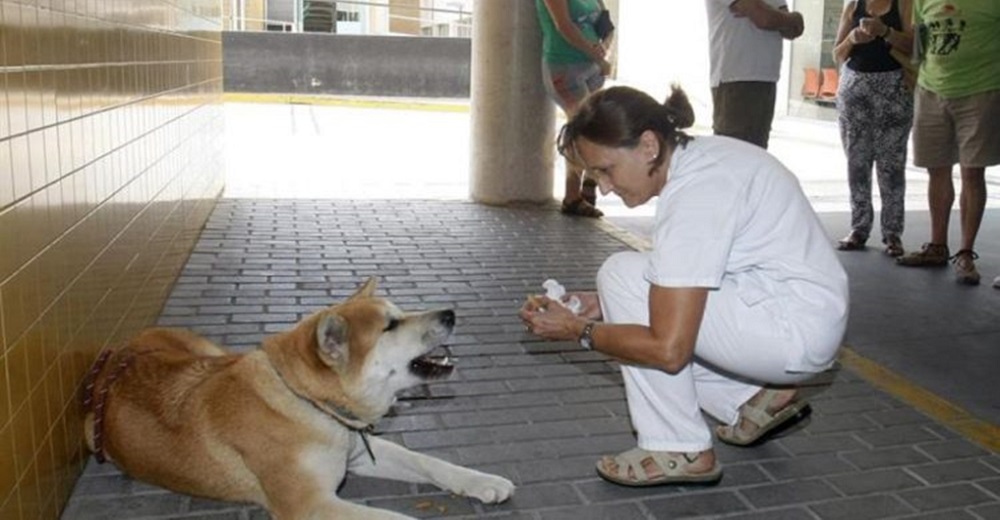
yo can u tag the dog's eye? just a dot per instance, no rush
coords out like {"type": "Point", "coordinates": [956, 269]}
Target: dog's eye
{"type": "Point", "coordinates": [393, 323]}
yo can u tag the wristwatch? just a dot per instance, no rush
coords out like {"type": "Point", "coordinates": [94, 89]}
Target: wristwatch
{"type": "Point", "coordinates": [586, 338]}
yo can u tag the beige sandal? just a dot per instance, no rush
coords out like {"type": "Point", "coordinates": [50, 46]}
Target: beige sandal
{"type": "Point", "coordinates": [673, 469]}
{"type": "Point", "coordinates": [765, 422]}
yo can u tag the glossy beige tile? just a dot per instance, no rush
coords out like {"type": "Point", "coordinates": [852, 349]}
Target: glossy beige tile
{"type": "Point", "coordinates": [11, 508]}
{"type": "Point", "coordinates": [24, 442]}
{"type": "Point", "coordinates": [96, 161]}
{"type": "Point", "coordinates": [6, 176]}
{"type": "Point", "coordinates": [8, 474]}
{"type": "Point", "coordinates": [5, 396]}
{"type": "Point", "coordinates": [17, 378]}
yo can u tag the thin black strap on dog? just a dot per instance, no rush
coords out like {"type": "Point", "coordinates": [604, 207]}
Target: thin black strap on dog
{"type": "Point", "coordinates": [340, 413]}
{"type": "Point", "coordinates": [364, 433]}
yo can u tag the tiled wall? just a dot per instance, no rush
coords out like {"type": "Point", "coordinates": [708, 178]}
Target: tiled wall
{"type": "Point", "coordinates": [110, 161]}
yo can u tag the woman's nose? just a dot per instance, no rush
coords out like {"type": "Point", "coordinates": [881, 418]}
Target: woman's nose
{"type": "Point", "coordinates": [605, 185]}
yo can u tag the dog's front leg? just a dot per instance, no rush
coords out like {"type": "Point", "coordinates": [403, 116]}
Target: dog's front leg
{"type": "Point", "coordinates": [393, 461]}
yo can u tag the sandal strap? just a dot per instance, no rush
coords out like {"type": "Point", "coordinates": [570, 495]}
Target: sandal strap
{"type": "Point", "coordinates": [964, 252]}
{"type": "Point", "coordinates": [757, 414]}
{"type": "Point", "coordinates": [669, 464]}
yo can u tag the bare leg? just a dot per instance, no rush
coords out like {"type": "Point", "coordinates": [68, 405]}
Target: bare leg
{"type": "Point", "coordinates": [573, 199]}
{"type": "Point", "coordinates": [972, 204]}
{"type": "Point", "coordinates": [574, 179]}
{"type": "Point", "coordinates": [940, 197]}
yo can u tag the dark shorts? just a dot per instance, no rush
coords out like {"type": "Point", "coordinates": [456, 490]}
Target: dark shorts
{"type": "Point", "coordinates": [569, 83]}
{"type": "Point", "coordinates": [744, 110]}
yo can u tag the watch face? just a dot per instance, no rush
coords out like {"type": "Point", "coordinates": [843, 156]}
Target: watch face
{"type": "Point", "coordinates": [586, 340]}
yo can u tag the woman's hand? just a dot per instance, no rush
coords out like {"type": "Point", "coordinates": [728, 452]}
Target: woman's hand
{"type": "Point", "coordinates": [873, 27]}
{"type": "Point", "coordinates": [605, 67]}
{"type": "Point", "coordinates": [550, 320]}
{"type": "Point", "coordinates": [590, 305]}
{"type": "Point", "coordinates": [858, 36]}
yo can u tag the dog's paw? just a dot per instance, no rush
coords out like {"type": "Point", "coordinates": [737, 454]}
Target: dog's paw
{"type": "Point", "coordinates": [490, 489]}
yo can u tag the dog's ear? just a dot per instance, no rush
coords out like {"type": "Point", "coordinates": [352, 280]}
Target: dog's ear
{"type": "Point", "coordinates": [367, 290]}
{"type": "Point", "coordinates": [331, 338]}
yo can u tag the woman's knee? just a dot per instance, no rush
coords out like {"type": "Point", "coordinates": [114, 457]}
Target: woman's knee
{"type": "Point", "coordinates": [620, 271]}
{"type": "Point", "coordinates": [622, 289]}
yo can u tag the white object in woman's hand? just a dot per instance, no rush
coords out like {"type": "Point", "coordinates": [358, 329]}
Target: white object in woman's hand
{"type": "Point", "coordinates": [548, 319]}
{"type": "Point", "coordinates": [590, 305]}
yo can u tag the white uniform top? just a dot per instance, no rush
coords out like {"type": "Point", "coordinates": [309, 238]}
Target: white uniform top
{"type": "Point", "coordinates": [738, 50]}
{"type": "Point", "coordinates": [732, 218]}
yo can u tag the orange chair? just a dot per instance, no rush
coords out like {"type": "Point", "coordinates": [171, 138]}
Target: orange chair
{"type": "Point", "coordinates": [831, 80]}
{"type": "Point", "coordinates": [810, 85]}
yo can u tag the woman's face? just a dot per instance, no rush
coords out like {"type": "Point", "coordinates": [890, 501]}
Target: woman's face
{"type": "Point", "coordinates": [624, 171]}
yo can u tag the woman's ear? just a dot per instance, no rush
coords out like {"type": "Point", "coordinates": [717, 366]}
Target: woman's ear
{"type": "Point", "coordinates": [650, 145]}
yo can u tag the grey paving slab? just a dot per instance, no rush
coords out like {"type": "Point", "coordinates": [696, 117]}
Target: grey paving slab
{"type": "Point", "coordinates": [539, 413]}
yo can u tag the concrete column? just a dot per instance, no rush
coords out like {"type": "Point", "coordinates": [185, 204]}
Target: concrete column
{"type": "Point", "coordinates": [612, 6]}
{"type": "Point", "coordinates": [513, 121]}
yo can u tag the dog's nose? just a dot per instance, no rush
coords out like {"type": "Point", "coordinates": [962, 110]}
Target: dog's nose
{"type": "Point", "coordinates": [448, 318]}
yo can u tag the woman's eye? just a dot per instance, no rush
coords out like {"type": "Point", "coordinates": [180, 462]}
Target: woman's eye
{"type": "Point", "coordinates": [393, 323]}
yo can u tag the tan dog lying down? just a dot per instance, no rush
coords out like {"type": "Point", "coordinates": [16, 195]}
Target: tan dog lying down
{"type": "Point", "coordinates": [282, 425]}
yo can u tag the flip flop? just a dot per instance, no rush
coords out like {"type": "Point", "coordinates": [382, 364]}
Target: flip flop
{"type": "Point", "coordinates": [766, 423]}
{"type": "Point", "coordinates": [673, 469]}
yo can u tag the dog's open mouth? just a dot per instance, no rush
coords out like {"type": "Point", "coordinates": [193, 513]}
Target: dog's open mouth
{"type": "Point", "coordinates": [428, 367]}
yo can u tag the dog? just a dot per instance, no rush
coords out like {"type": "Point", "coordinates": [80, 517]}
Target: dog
{"type": "Point", "coordinates": [282, 425]}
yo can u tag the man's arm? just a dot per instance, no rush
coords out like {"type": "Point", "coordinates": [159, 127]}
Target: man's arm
{"type": "Point", "coordinates": [789, 24]}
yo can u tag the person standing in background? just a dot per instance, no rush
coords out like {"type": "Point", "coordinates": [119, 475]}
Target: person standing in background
{"type": "Point", "coordinates": [875, 109]}
{"type": "Point", "coordinates": [956, 109]}
{"type": "Point", "coordinates": [745, 55]}
{"type": "Point", "coordinates": [574, 64]}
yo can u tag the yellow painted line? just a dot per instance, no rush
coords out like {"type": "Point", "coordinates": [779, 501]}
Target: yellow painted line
{"type": "Point", "coordinates": [341, 101]}
{"type": "Point", "coordinates": [623, 235]}
{"type": "Point", "coordinates": [984, 433]}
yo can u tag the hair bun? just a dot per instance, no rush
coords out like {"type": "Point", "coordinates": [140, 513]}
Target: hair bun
{"type": "Point", "coordinates": [681, 114]}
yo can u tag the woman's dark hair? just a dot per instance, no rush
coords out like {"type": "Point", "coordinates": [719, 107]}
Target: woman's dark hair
{"type": "Point", "coordinates": [617, 117]}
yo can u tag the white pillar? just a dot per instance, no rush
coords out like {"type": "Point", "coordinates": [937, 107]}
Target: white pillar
{"type": "Point", "coordinates": [513, 146]}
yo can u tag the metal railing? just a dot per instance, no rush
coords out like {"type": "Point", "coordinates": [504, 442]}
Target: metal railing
{"type": "Point", "coordinates": [391, 17]}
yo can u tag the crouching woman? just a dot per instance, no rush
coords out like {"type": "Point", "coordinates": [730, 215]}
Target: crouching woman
{"type": "Point", "coordinates": [741, 298]}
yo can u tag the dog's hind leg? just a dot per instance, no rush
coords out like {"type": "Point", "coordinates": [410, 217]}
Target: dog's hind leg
{"type": "Point", "coordinates": [178, 340]}
{"type": "Point", "coordinates": [393, 461]}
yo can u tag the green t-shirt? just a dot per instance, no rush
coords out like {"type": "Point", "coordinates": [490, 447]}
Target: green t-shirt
{"type": "Point", "coordinates": [555, 48]}
{"type": "Point", "coordinates": [960, 40]}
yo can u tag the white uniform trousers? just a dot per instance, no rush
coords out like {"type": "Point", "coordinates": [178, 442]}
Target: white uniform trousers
{"type": "Point", "coordinates": [737, 350]}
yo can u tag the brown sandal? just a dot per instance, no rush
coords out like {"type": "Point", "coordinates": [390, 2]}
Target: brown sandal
{"type": "Point", "coordinates": [580, 208]}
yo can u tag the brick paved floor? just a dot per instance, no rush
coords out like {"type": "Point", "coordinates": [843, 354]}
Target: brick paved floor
{"type": "Point", "coordinates": [539, 413]}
